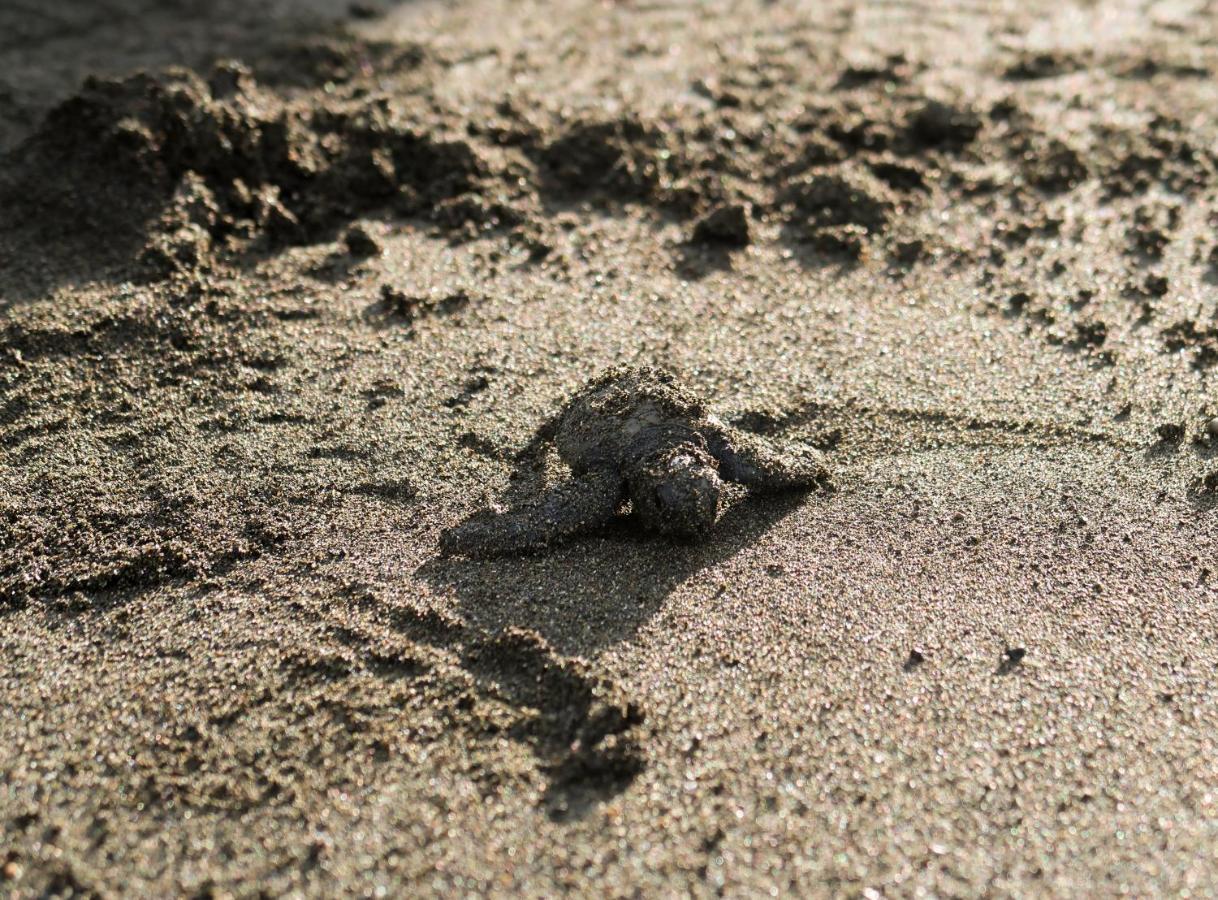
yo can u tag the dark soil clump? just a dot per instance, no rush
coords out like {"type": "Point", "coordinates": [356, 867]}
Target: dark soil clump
{"type": "Point", "coordinates": [727, 225]}
{"type": "Point", "coordinates": [943, 125]}
{"type": "Point", "coordinates": [838, 210]}
{"type": "Point", "coordinates": [187, 165]}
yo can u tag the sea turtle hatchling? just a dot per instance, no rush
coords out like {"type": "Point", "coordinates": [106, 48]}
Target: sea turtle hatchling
{"type": "Point", "coordinates": [638, 434]}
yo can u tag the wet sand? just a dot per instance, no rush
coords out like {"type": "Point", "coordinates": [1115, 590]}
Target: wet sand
{"type": "Point", "coordinates": [275, 316]}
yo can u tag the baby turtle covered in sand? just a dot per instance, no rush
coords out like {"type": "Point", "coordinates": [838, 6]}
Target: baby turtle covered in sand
{"type": "Point", "coordinates": [638, 434]}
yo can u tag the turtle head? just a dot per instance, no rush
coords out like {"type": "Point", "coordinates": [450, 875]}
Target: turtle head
{"type": "Point", "coordinates": [676, 490]}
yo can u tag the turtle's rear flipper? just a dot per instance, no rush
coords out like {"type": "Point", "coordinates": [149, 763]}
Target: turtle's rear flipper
{"type": "Point", "coordinates": [759, 464]}
{"type": "Point", "coordinates": [567, 509]}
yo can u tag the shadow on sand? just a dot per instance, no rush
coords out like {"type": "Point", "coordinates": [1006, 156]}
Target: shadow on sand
{"type": "Point", "coordinates": [601, 589]}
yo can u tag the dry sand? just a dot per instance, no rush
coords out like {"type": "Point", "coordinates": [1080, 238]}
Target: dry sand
{"type": "Point", "coordinates": [269, 327]}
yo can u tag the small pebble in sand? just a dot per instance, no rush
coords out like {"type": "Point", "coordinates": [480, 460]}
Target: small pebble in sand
{"type": "Point", "coordinates": [1211, 430]}
{"type": "Point", "coordinates": [361, 243]}
{"type": "Point", "coordinates": [916, 658]}
{"type": "Point", "coordinates": [1019, 301]}
{"type": "Point", "coordinates": [1156, 285]}
{"type": "Point", "coordinates": [1170, 433]}
{"type": "Point", "coordinates": [1013, 656]}
{"type": "Point", "coordinates": [1207, 486]}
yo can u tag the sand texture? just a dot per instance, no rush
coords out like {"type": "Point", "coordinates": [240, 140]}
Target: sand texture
{"type": "Point", "coordinates": [288, 288]}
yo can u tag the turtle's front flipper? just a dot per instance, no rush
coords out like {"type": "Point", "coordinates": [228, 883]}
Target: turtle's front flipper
{"type": "Point", "coordinates": [562, 512]}
{"type": "Point", "coordinates": [541, 437]}
{"type": "Point", "coordinates": [759, 464]}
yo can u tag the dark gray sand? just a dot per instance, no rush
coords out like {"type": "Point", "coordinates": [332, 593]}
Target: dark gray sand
{"type": "Point", "coordinates": [271, 325]}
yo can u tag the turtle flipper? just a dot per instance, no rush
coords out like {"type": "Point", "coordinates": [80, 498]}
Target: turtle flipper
{"type": "Point", "coordinates": [565, 510]}
{"type": "Point", "coordinates": [763, 465]}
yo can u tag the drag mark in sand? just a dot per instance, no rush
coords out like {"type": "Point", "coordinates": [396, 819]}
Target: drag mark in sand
{"type": "Point", "coordinates": [867, 416]}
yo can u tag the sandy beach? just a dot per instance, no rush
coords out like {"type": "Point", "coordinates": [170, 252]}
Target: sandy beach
{"type": "Point", "coordinates": [288, 288]}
